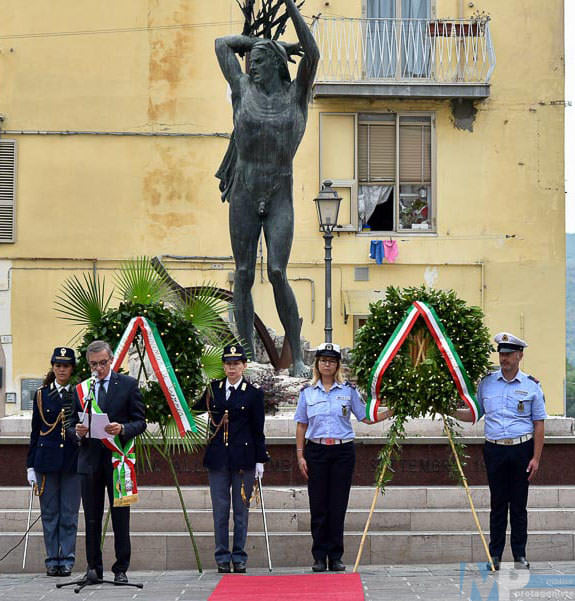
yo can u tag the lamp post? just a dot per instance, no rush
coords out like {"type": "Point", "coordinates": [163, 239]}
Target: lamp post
{"type": "Point", "coordinates": [327, 204]}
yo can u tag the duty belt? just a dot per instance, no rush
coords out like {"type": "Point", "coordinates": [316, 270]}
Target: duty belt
{"type": "Point", "coordinates": [511, 441]}
{"type": "Point", "coordinates": [330, 441]}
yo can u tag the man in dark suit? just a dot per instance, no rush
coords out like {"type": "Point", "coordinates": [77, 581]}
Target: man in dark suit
{"type": "Point", "coordinates": [235, 454]}
{"type": "Point", "coordinates": [118, 396]}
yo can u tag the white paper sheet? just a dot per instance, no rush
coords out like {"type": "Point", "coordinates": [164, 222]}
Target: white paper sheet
{"type": "Point", "coordinates": [99, 423]}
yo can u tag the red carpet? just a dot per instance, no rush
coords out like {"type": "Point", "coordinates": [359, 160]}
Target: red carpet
{"type": "Point", "coordinates": [296, 587]}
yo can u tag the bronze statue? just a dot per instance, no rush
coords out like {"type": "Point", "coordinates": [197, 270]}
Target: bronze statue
{"type": "Point", "coordinates": [270, 115]}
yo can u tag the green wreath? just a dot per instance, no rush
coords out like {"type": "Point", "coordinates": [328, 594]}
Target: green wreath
{"type": "Point", "coordinates": [418, 382]}
{"type": "Point", "coordinates": [183, 346]}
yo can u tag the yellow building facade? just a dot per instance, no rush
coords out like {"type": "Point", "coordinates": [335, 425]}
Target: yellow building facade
{"type": "Point", "coordinates": [441, 129]}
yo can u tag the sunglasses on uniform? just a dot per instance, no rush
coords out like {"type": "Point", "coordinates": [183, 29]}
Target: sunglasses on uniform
{"type": "Point", "coordinates": [94, 364]}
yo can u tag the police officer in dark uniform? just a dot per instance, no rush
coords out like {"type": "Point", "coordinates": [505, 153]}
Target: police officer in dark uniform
{"type": "Point", "coordinates": [235, 454]}
{"type": "Point", "coordinates": [514, 408]}
{"type": "Point", "coordinates": [52, 461]}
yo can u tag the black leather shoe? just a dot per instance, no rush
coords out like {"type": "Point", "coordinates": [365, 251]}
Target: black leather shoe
{"type": "Point", "coordinates": [496, 562]}
{"type": "Point", "coordinates": [120, 578]}
{"type": "Point", "coordinates": [53, 571]}
{"type": "Point", "coordinates": [64, 571]}
{"type": "Point", "coordinates": [336, 565]}
{"type": "Point", "coordinates": [224, 568]}
{"type": "Point", "coordinates": [521, 563]}
{"type": "Point", "coordinates": [239, 567]}
{"type": "Point", "coordinates": [93, 575]}
{"type": "Point", "coordinates": [319, 565]}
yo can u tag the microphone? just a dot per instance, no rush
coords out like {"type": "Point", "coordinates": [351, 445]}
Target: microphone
{"type": "Point", "coordinates": [91, 393]}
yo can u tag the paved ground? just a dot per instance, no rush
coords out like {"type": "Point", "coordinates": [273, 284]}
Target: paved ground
{"type": "Point", "coordinates": [546, 580]}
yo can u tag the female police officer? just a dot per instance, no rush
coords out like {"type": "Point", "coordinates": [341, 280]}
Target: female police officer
{"type": "Point", "coordinates": [235, 454]}
{"type": "Point", "coordinates": [327, 459]}
{"type": "Point", "coordinates": [52, 462]}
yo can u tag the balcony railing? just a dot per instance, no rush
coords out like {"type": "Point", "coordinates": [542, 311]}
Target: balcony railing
{"type": "Point", "coordinates": [433, 51]}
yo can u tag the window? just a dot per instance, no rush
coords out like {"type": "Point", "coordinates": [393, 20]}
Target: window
{"type": "Point", "coordinates": [381, 164]}
{"type": "Point", "coordinates": [396, 39]}
{"type": "Point", "coordinates": [7, 189]}
{"type": "Point", "coordinates": [394, 172]}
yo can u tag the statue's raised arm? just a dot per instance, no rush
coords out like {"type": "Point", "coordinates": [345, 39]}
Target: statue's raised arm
{"type": "Point", "coordinates": [226, 49]}
{"type": "Point", "coordinates": [308, 64]}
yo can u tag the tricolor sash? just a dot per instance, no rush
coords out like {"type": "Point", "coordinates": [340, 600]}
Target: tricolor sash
{"type": "Point", "coordinates": [396, 340]}
{"type": "Point", "coordinates": [123, 456]}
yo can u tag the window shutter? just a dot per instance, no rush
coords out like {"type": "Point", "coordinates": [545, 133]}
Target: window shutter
{"type": "Point", "coordinates": [7, 189]}
{"type": "Point", "coordinates": [376, 152]}
{"type": "Point", "coordinates": [414, 153]}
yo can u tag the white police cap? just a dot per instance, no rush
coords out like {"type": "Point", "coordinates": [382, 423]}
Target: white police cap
{"type": "Point", "coordinates": [328, 349]}
{"type": "Point", "coordinates": [508, 343]}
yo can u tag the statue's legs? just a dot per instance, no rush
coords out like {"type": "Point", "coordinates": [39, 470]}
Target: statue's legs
{"type": "Point", "coordinates": [278, 231]}
{"type": "Point", "coordinates": [245, 228]}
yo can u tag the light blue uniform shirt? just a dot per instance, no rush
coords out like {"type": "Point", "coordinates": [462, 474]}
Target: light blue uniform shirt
{"type": "Point", "coordinates": [328, 414]}
{"type": "Point", "coordinates": [510, 406]}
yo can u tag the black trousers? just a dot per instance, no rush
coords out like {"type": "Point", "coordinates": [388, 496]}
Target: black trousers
{"type": "Point", "coordinates": [508, 485]}
{"type": "Point", "coordinates": [93, 487]}
{"type": "Point", "coordinates": [330, 470]}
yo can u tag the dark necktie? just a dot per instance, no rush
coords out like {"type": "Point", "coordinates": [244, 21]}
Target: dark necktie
{"type": "Point", "coordinates": [102, 397]}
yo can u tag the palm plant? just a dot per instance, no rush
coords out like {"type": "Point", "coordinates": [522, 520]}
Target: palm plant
{"type": "Point", "coordinates": [193, 332]}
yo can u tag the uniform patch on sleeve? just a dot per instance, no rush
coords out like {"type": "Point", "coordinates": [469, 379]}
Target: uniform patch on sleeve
{"type": "Point", "coordinates": [534, 379]}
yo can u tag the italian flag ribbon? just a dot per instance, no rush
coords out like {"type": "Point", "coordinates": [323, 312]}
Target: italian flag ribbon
{"type": "Point", "coordinates": [162, 367]}
{"type": "Point", "coordinates": [396, 340]}
{"type": "Point", "coordinates": [123, 456]}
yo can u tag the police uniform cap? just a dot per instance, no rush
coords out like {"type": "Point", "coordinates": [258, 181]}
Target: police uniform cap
{"type": "Point", "coordinates": [63, 354]}
{"type": "Point", "coordinates": [508, 343]}
{"type": "Point", "coordinates": [234, 352]}
{"type": "Point", "coordinates": [328, 349]}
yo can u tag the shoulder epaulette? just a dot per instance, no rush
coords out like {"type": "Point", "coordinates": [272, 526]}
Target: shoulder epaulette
{"type": "Point", "coordinates": [304, 387]}
{"type": "Point", "coordinates": [255, 385]}
{"type": "Point", "coordinates": [350, 384]}
{"type": "Point", "coordinates": [534, 379]}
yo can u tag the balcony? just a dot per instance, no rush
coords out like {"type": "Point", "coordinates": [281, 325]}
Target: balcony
{"type": "Point", "coordinates": [404, 58]}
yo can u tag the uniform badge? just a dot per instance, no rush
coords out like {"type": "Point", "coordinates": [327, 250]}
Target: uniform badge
{"type": "Point", "coordinates": [520, 406]}
{"type": "Point", "coordinates": [62, 352]}
{"type": "Point", "coordinates": [244, 386]}
{"type": "Point", "coordinates": [232, 350]}
{"type": "Point", "coordinates": [344, 410]}
{"type": "Point", "coordinates": [504, 338]}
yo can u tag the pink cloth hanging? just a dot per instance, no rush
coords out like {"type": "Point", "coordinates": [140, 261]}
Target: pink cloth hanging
{"type": "Point", "coordinates": [390, 250]}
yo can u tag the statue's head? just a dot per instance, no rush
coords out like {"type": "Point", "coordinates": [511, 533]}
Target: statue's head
{"type": "Point", "coordinates": [267, 56]}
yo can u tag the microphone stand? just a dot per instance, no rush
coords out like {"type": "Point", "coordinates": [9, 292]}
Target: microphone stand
{"type": "Point", "coordinates": [91, 578]}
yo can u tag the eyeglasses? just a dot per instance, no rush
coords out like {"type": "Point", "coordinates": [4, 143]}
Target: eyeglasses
{"type": "Point", "coordinates": [328, 361]}
{"type": "Point", "coordinates": [94, 364]}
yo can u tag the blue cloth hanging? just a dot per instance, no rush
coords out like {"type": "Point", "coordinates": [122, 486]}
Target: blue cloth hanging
{"type": "Point", "coordinates": [376, 251]}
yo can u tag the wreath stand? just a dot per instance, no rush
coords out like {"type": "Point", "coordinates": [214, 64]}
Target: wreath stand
{"type": "Point", "coordinates": [468, 492]}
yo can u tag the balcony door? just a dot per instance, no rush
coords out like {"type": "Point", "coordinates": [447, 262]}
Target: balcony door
{"type": "Point", "coordinates": [397, 44]}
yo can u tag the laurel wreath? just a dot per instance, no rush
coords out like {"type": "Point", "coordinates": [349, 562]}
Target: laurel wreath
{"type": "Point", "coordinates": [418, 382]}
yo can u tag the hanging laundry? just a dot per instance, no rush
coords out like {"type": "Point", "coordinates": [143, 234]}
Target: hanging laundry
{"type": "Point", "coordinates": [390, 250]}
{"type": "Point", "coordinates": [376, 251]}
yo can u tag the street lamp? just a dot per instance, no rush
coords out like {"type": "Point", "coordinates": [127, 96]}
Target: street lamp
{"type": "Point", "coordinates": [327, 204]}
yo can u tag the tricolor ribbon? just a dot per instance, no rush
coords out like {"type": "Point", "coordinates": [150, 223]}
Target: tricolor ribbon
{"type": "Point", "coordinates": [123, 456]}
{"type": "Point", "coordinates": [396, 340]}
{"type": "Point", "coordinates": [162, 367]}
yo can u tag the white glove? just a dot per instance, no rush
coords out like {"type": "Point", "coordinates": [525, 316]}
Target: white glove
{"type": "Point", "coordinates": [259, 470]}
{"type": "Point", "coordinates": [31, 475]}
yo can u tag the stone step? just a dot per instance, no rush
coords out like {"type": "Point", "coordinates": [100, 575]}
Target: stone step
{"type": "Point", "coordinates": [173, 551]}
{"type": "Point", "coordinates": [277, 497]}
{"type": "Point", "coordinates": [298, 520]}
